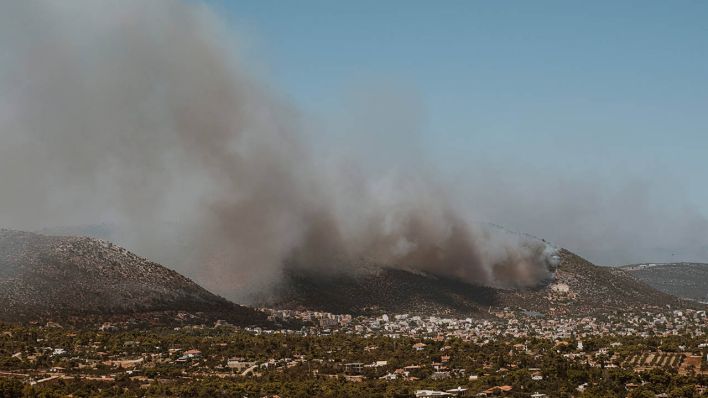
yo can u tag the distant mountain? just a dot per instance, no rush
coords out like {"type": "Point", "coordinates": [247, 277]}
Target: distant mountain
{"type": "Point", "coordinates": [687, 280]}
{"type": "Point", "coordinates": [578, 287]}
{"type": "Point", "coordinates": [57, 276]}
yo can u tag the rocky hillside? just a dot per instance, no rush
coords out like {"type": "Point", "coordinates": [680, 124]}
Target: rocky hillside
{"type": "Point", "coordinates": [687, 280]}
{"type": "Point", "coordinates": [49, 276]}
{"type": "Point", "coordinates": [380, 290]}
{"type": "Point", "coordinates": [581, 287]}
{"type": "Point", "coordinates": [578, 287]}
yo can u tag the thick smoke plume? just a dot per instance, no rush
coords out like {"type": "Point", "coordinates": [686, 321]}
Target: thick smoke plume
{"type": "Point", "coordinates": [144, 114]}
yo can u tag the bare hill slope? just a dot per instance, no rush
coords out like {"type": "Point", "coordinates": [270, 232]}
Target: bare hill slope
{"type": "Point", "coordinates": [578, 287]}
{"type": "Point", "coordinates": [58, 276]}
{"type": "Point", "coordinates": [687, 280]}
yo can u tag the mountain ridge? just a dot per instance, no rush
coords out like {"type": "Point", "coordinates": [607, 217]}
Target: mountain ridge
{"type": "Point", "coordinates": [578, 287]}
{"type": "Point", "coordinates": [684, 279]}
{"type": "Point", "coordinates": [48, 276]}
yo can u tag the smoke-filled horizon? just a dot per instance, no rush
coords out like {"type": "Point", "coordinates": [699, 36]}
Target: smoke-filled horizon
{"type": "Point", "coordinates": [146, 115]}
{"type": "Point", "coordinates": [145, 111]}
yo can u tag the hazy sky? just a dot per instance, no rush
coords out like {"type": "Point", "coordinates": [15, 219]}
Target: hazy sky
{"type": "Point", "coordinates": [613, 94]}
{"type": "Point", "coordinates": [584, 123]}
{"type": "Point", "coordinates": [619, 86]}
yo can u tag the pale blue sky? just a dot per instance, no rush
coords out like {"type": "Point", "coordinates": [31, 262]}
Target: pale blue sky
{"type": "Point", "coordinates": [622, 84]}
{"type": "Point", "coordinates": [565, 90]}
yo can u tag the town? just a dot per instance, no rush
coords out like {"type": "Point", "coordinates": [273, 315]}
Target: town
{"type": "Point", "coordinates": [511, 353]}
{"type": "Point", "coordinates": [508, 322]}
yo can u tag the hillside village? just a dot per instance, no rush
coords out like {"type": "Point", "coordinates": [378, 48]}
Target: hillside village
{"type": "Point", "coordinates": [514, 354]}
{"type": "Point", "coordinates": [507, 323]}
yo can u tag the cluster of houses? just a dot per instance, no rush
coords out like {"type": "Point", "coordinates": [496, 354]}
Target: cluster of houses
{"type": "Point", "coordinates": [464, 392]}
{"type": "Point", "coordinates": [92, 362]}
{"type": "Point", "coordinates": [509, 322]}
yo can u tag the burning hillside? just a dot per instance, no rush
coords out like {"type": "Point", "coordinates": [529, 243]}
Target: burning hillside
{"type": "Point", "coordinates": [171, 125]}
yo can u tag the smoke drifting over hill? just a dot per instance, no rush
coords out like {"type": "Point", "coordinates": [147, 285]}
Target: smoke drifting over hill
{"type": "Point", "coordinates": [146, 115]}
{"type": "Point", "coordinates": [142, 113]}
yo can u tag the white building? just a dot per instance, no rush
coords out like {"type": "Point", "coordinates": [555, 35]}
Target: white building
{"type": "Point", "coordinates": [431, 393]}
